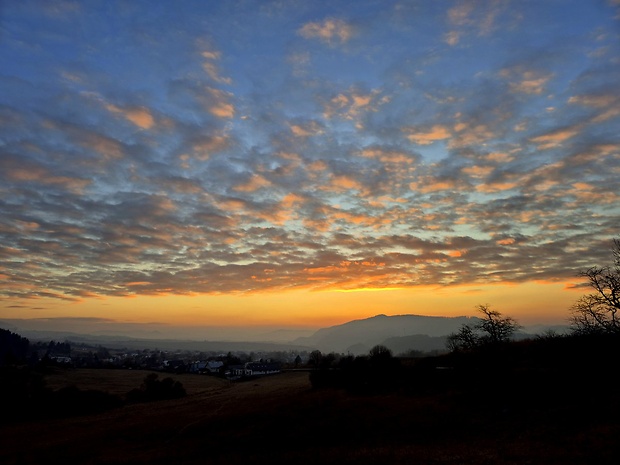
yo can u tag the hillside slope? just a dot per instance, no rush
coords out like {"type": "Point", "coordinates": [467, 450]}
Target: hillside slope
{"type": "Point", "coordinates": [358, 336]}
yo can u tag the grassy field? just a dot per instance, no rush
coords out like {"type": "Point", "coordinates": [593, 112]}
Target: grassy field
{"type": "Point", "coordinates": [121, 381]}
{"type": "Point", "coordinates": [281, 419]}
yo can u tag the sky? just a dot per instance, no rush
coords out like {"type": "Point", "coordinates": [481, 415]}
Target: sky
{"type": "Point", "coordinates": [302, 164]}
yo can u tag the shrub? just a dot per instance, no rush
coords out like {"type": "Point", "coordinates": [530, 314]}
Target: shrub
{"type": "Point", "coordinates": [153, 389]}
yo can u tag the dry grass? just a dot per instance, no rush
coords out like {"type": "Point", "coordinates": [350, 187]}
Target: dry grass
{"type": "Point", "coordinates": [280, 419]}
{"type": "Point", "coordinates": [120, 382]}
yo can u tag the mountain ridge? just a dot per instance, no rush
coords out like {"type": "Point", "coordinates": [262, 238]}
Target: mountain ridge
{"type": "Point", "coordinates": [353, 335]}
{"type": "Point", "coordinates": [400, 333]}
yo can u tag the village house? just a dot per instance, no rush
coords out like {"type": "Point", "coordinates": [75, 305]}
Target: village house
{"type": "Point", "coordinates": [253, 369]}
{"type": "Point", "coordinates": [209, 366]}
{"type": "Point", "coordinates": [262, 368]}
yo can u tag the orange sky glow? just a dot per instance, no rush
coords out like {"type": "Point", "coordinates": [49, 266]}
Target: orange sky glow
{"type": "Point", "coordinates": [529, 303]}
{"type": "Point", "coordinates": [302, 164]}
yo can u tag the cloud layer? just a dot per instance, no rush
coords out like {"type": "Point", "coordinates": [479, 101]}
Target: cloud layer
{"type": "Point", "coordinates": [245, 147]}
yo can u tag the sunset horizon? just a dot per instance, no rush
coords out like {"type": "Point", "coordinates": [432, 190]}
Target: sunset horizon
{"type": "Point", "coordinates": [298, 165]}
{"type": "Point", "coordinates": [245, 317]}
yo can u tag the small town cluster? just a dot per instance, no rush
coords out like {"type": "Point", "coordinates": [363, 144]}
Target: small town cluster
{"type": "Point", "coordinates": [232, 365]}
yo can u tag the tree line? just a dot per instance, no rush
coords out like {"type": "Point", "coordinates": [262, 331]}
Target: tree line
{"type": "Point", "coordinates": [484, 357]}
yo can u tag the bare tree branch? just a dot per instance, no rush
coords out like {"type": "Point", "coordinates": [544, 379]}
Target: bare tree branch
{"type": "Point", "coordinates": [598, 312]}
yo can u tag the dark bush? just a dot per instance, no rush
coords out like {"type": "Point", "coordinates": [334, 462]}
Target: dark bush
{"type": "Point", "coordinates": [153, 389]}
{"type": "Point", "coordinates": [376, 373]}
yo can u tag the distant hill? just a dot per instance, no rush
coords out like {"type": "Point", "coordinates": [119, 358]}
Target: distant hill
{"type": "Point", "coordinates": [400, 333]}
{"type": "Point", "coordinates": [359, 336]}
{"type": "Point", "coordinates": [129, 343]}
{"type": "Point", "coordinates": [416, 342]}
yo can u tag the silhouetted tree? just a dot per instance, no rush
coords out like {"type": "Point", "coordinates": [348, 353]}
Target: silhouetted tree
{"type": "Point", "coordinates": [597, 313]}
{"type": "Point", "coordinates": [13, 347]}
{"type": "Point", "coordinates": [495, 328]}
{"type": "Point", "coordinates": [380, 353]}
{"type": "Point", "coordinates": [374, 373]}
{"type": "Point", "coordinates": [58, 349]}
{"type": "Point", "coordinates": [314, 359]}
{"type": "Point", "coordinates": [230, 359]}
{"type": "Point", "coordinates": [491, 329]}
{"type": "Point", "coordinates": [465, 339]}
{"type": "Point", "coordinates": [328, 360]}
{"type": "Point", "coordinates": [153, 389]}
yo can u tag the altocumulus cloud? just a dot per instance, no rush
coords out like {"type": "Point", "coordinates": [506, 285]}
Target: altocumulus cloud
{"type": "Point", "coordinates": [232, 147]}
